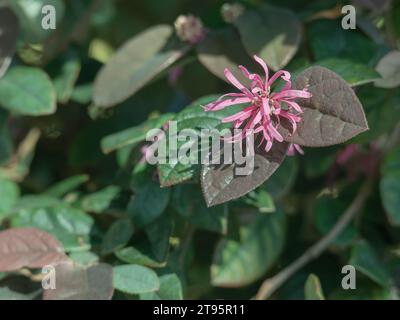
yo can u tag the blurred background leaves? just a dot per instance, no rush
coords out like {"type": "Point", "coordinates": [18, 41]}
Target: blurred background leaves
{"type": "Point", "coordinates": [71, 166]}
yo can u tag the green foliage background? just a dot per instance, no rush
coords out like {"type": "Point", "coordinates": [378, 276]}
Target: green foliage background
{"type": "Point", "coordinates": [71, 166]}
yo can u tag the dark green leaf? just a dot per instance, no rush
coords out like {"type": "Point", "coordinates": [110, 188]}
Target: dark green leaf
{"type": "Point", "coordinates": [65, 73]}
{"type": "Point", "coordinates": [148, 202]}
{"type": "Point", "coordinates": [170, 289]}
{"type": "Point", "coordinates": [390, 186]}
{"type": "Point", "coordinates": [27, 91]}
{"type": "Point", "coordinates": [135, 64]}
{"type": "Point", "coordinates": [63, 187]}
{"type": "Point", "coordinates": [135, 279]}
{"type": "Point", "coordinates": [117, 236]}
{"type": "Point", "coordinates": [84, 258]}
{"type": "Point", "coordinates": [353, 73]}
{"type": "Point", "coordinates": [222, 49]}
{"type": "Point", "coordinates": [9, 192]}
{"type": "Point", "coordinates": [192, 207]}
{"type": "Point", "coordinates": [327, 213]}
{"type": "Point", "coordinates": [132, 136]}
{"type": "Point", "coordinates": [101, 200]}
{"type": "Point", "coordinates": [262, 200]}
{"type": "Point", "coordinates": [328, 39]}
{"type": "Point", "coordinates": [237, 264]}
{"type": "Point", "coordinates": [271, 33]}
{"type": "Point", "coordinates": [6, 146]}
{"type": "Point", "coordinates": [158, 234]}
{"type": "Point", "coordinates": [283, 179]}
{"type": "Point", "coordinates": [365, 259]}
{"type": "Point", "coordinates": [134, 256]}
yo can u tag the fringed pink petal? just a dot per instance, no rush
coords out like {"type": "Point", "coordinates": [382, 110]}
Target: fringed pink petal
{"type": "Point", "coordinates": [265, 67]}
{"type": "Point", "coordinates": [242, 115]}
{"type": "Point", "coordinates": [299, 149]}
{"type": "Point", "coordinates": [291, 94]}
{"type": "Point", "coordinates": [274, 133]}
{"type": "Point", "coordinates": [232, 79]}
{"type": "Point", "coordinates": [293, 105]}
{"type": "Point", "coordinates": [282, 73]}
{"type": "Point", "coordinates": [265, 106]}
{"type": "Point", "coordinates": [221, 104]}
{"type": "Point", "coordinates": [255, 78]}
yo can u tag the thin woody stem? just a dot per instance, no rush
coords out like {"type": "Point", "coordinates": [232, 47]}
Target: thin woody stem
{"type": "Point", "coordinates": [269, 286]}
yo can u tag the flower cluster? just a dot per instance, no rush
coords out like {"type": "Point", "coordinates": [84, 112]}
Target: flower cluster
{"type": "Point", "coordinates": [189, 28]}
{"type": "Point", "coordinates": [263, 109]}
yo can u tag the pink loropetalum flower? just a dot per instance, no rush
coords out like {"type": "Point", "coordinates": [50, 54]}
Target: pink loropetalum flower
{"type": "Point", "coordinates": [264, 109]}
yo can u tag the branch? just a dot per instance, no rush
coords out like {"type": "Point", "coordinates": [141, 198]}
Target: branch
{"type": "Point", "coordinates": [269, 286]}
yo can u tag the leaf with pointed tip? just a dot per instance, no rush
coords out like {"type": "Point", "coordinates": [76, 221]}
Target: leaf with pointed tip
{"type": "Point", "coordinates": [63, 187]}
{"type": "Point", "coordinates": [220, 183]}
{"type": "Point", "coordinates": [101, 200]}
{"type": "Point", "coordinates": [135, 64]}
{"type": "Point", "coordinates": [135, 256]}
{"type": "Point", "coordinates": [389, 68]}
{"type": "Point", "coordinates": [9, 30]}
{"type": "Point", "coordinates": [134, 135]}
{"type": "Point", "coordinates": [170, 289]}
{"type": "Point", "coordinates": [135, 279]}
{"type": "Point", "coordinates": [271, 33]}
{"type": "Point", "coordinates": [222, 49]}
{"type": "Point", "coordinates": [28, 247]}
{"type": "Point", "coordinates": [365, 259]}
{"type": "Point", "coordinates": [312, 288]}
{"type": "Point", "coordinates": [75, 282]}
{"type": "Point", "coordinates": [331, 116]}
{"type": "Point", "coordinates": [117, 236]}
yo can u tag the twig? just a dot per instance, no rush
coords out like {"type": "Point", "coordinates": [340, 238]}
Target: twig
{"type": "Point", "coordinates": [269, 286]}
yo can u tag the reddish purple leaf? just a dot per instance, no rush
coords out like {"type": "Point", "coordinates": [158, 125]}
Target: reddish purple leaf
{"type": "Point", "coordinates": [333, 115]}
{"type": "Point", "coordinates": [28, 247]}
{"type": "Point", "coordinates": [220, 183]}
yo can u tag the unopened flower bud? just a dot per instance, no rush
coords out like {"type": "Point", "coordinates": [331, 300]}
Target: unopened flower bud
{"type": "Point", "coordinates": [189, 28]}
{"type": "Point", "coordinates": [231, 11]}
